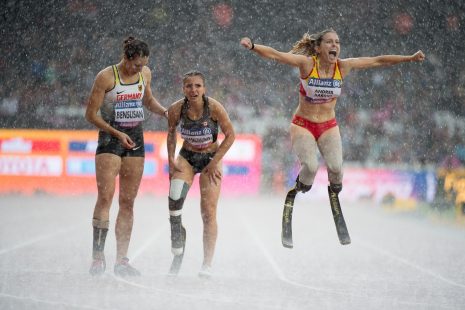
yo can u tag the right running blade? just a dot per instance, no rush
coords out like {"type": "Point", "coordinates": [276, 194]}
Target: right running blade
{"type": "Point", "coordinates": [177, 260]}
{"type": "Point", "coordinates": [176, 265]}
{"type": "Point", "coordinates": [341, 227]}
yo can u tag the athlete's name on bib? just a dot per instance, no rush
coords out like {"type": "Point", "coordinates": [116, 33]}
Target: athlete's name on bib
{"type": "Point", "coordinates": [196, 132]}
{"type": "Point", "coordinates": [128, 96]}
{"type": "Point", "coordinates": [122, 115]}
{"type": "Point", "coordinates": [128, 104]}
{"type": "Point", "coordinates": [324, 82]}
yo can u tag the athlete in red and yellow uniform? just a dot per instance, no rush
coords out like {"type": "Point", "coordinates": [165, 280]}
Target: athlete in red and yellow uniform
{"type": "Point", "coordinates": [314, 123]}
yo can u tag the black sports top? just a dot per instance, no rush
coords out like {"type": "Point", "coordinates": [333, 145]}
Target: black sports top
{"type": "Point", "coordinates": [202, 132]}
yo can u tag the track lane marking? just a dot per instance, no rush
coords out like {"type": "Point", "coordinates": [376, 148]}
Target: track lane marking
{"type": "Point", "coordinates": [139, 251]}
{"type": "Point", "coordinates": [144, 247]}
{"type": "Point", "coordinates": [406, 262]}
{"type": "Point", "coordinates": [283, 278]}
{"type": "Point", "coordinates": [48, 302]}
{"type": "Point", "coordinates": [40, 238]}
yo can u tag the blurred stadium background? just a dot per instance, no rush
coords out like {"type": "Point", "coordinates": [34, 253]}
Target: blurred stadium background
{"type": "Point", "coordinates": [407, 120]}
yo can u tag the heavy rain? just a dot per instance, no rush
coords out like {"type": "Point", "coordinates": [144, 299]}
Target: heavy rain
{"type": "Point", "coordinates": [72, 197]}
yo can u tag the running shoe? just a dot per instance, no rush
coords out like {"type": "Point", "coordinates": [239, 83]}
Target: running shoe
{"type": "Point", "coordinates": [98, 267]}
{"type": "Point", "coordinates": [205, 272]}
{"type": "Point", "coordinates": [123, 269]}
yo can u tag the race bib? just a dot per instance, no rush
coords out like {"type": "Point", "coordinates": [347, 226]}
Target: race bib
{"type": "Point", "coordinates": [129, 113]}
{"type": "Point", "coordinates": [323, 90]}
{"type": "Point", "coordinates": [198, 138]}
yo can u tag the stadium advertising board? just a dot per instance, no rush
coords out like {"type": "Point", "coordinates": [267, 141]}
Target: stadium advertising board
{"type": "Point", "coordinates": [63, 162]}
{"type": "Point", "coordinates": [376, 184]}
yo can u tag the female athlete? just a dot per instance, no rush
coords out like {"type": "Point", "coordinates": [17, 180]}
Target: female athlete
{"type": "Point", "coordinates": [120, 92]}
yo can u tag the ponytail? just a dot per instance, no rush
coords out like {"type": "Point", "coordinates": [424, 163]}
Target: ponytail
{"type": "Point", "coordinates": [132, 45]}
{"type": "Point", "coordinates": [306, 46]}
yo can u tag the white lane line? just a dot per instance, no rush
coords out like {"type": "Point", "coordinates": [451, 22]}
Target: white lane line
{"type": "Point", "coordinates": [40, 238]}
{"type": "Point", "coordinates": [404, 261]}
{"type": "Point", "coordinates": [283, 278]}
{"type": "Point", "coordinates": [48, 302]}
{"type": "Point", "coordinates": [144, 247]}
{"type": "Point", "coordinates": [194, 296]}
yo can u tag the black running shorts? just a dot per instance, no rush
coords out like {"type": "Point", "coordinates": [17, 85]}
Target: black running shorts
{"type": "Point", "coordinates": [198, 161]}
{"type": "Point", "coordinates": [110, 144]}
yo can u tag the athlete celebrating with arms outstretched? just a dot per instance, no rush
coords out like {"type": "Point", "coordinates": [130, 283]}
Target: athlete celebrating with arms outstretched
{"type": "Point", "coordinates": [314, 124]}
{"type": "Point", "coordinates": [120, 92]}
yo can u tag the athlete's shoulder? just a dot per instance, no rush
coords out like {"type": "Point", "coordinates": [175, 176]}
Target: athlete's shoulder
{"type": "Point", "coordinates": [177, 105]}
{"type": "Point", "coordinates": [105, 78]}
{"type": "Point", "coordinates": [146, 73]}
{"type": "Point", "coordinates": [105, 73]}
{"type": "Point", "coordinates": [214, 104]}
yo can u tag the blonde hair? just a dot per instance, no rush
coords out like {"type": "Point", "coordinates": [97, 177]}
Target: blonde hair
{"type": "Point", "coordinates": [306, 46]}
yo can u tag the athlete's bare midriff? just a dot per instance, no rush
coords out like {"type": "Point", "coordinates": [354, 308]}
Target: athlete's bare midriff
{"type": "Point", "coordinates": [316, 113]}
{"type": "Point", "coordinates": [209, 149]}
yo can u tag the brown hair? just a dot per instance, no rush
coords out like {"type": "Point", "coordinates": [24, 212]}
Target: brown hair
{"type": "Point", "coordinates": [132, 45]}
{"type": "Point", "coordinates": [306, 46]}
{"type": "Point", "coordinates": [191, 74]}
{"type": "Point", "coordinates": [185, 103]}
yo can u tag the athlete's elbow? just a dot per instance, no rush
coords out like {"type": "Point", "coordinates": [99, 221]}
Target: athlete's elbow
{"type": "Point", "coordinates": [89, 118]}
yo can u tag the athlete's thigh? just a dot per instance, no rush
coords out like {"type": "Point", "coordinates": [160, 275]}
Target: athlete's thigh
{"type": "Point", "coordinates": [298, 131]}
{"type": "Point", "coordinates": [210, 193]}
{"type": "Point", "coordinates": [107, 167]}
{"type": "Point", "coordinates": [331, 149]}
{"type": "Point", "coordinates": [330, 132]}
{"type": "Point", "coordinates": [130, 176]}
{"type": "Point", "coordinates": [187, 172]}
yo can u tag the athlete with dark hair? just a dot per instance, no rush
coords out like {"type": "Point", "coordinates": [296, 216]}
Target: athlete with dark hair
{"type": "Point", "coordinates": [321, 77]}
{"type": "Point", "coordinates": [199, 117]}
{"type": "Point", "coordinates": [120, 92]}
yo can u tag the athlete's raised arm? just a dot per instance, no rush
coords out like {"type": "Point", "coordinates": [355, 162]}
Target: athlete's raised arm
{"type": "Point", "coordinates": [304, 63]}
{"type": "Point", "coordinates": [380, 61]}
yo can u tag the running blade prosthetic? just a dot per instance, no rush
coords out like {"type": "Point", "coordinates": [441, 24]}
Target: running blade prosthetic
{"type": "Point", "coordinates": [177, 260]}
{"type": "Point", "coordinates": [286, 235]}
{"type": "Point", "coordinates": [341, 227]}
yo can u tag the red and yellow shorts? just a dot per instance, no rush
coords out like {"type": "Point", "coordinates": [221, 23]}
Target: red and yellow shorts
{"type": "Point", "coordinates": [316, 129]}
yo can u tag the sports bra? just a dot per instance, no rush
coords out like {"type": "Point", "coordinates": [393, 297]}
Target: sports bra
{"type": "Point", "coordinates": [202, 132]}
{"type": "Point", "coordinates": [318, 90]}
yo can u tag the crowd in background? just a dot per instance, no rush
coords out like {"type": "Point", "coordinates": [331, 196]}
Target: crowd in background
{"type": "Point", "coordinates": [409, 114]}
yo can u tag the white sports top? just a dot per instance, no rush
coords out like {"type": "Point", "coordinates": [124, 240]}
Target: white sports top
{"type": "Point", "coordinates": [122, 105]}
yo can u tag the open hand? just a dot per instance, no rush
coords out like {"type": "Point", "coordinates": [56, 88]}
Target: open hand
{"type": "Point", "coordinates": [172, 169]}
{"type": "Point", "coordinates": [213, 172]}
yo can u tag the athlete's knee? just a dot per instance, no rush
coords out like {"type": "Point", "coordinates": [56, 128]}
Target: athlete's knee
{"type": "Point", "coordinates": [126, 202]}
{"type": "Point", "coordinates": [208, 218]}
{"type": "Point", "coordinates": [310, 169]}
{"type": "Point", "coordinates": [178, 193]}
{"type": "Point", "coordinates": [104, 200]}
{"type": "Point", "coordinates": [335, 173]}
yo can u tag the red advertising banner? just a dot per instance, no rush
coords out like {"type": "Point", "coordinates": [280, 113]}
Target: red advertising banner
{"type": "Point", "coordinates": [63, 163]}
